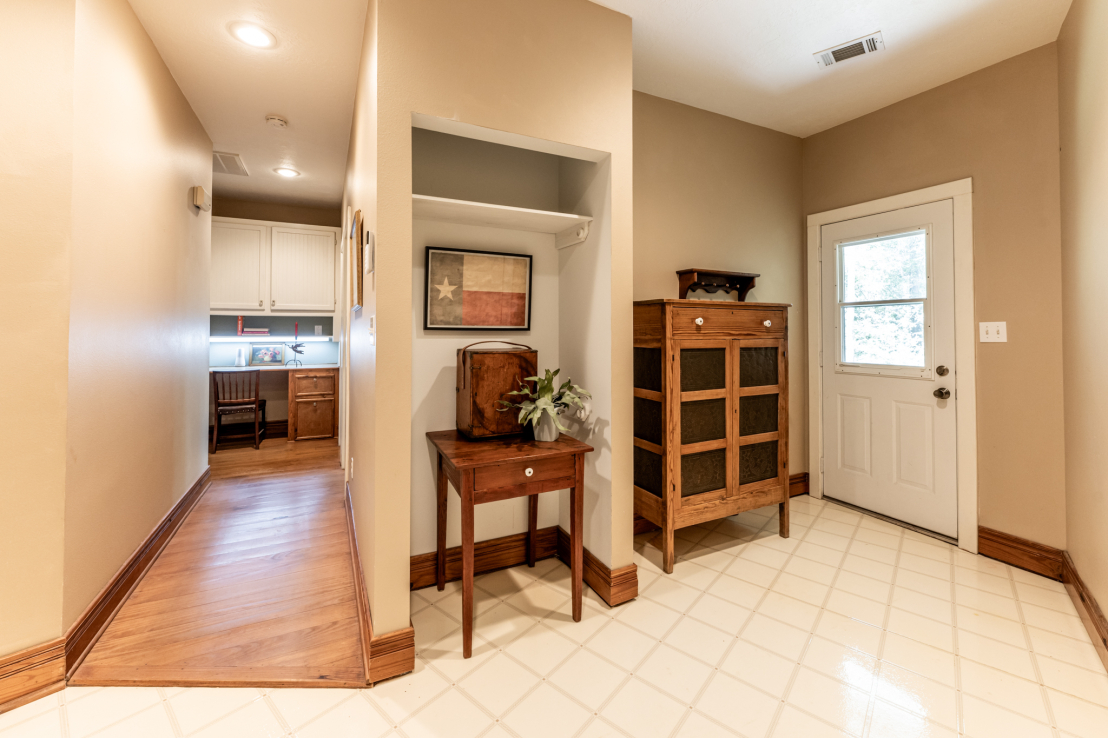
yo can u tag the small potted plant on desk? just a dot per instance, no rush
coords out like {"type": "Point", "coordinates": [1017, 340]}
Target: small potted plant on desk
{"type": "Point", "coordinates": [542, 405]}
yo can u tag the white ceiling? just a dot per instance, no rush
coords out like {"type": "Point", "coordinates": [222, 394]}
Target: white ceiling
{"type": "Point", "coordinates": [752, 59]}
{"type": "Point", "coordinates": [309, 78]}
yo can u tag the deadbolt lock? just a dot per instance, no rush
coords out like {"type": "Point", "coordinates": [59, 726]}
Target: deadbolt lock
{"type": "Point", "coordinates": [942, 371]}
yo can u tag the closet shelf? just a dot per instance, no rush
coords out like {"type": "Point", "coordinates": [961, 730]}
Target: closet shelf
{"type": "Point", "coordinates": [568, 229]}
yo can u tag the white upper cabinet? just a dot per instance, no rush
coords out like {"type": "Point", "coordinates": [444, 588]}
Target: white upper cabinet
{"type": "Point", "coordinates": [303, 270]}
{"type": "Point", "coordinates": [265, 267]}
{"type": "Point", "coordinates": [238, 267]}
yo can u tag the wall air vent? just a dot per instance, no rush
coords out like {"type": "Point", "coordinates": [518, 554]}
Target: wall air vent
{"type": "Point", "coordinates": [849, 50]}
{"type": "Point", "coordinates": [223, 163]}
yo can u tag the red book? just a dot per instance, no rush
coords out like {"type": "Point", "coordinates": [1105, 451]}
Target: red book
{"type": "Point", "coordinates": [240, 325]}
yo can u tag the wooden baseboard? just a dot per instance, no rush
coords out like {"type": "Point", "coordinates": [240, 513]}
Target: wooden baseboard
{"type": "Point", "coordinates": [32, 673]}
{"type": "Point", "coordinates": [387, 655]}
{"type": "Point", "coordinates": [391, 655]}
{"type": "Point", "coordinates": [83, 634]}
{"type": "Point", "coordinates": [798, 484]}
{"type": "Point", "coordinates": [1021, 553]}
{"type": "Point", "coordinates": [1087, 607]}
{"type": "Point", "coordinates": [490, 555]}
{"type": "Point", "coordinates": [614, 587]}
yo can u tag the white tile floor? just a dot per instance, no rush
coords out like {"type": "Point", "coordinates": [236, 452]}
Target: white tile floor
{"type": "Point", "coordinates": [851, 627]}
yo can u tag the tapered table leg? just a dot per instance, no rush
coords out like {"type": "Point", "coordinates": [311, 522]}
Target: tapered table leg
{"type": "Point", "coordinates": [576, 536]}
{"type": "Point", "coordinates": [467, 564]}
{"type": "Point", "coordinates": [440, 560]}
{"type": "Point", "coordinates": [532, 529]}
{"type": "Point", "coordinates": [783, 516]}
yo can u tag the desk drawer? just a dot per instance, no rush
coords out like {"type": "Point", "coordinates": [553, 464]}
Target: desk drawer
{"type": "Point", "coordinates": [507, 475]}
{"type": "Point", "coordinates": [718, 321]}
{"type": "Point", "coordinates": [313, 383]}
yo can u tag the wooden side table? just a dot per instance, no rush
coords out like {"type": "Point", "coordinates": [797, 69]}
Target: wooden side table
{"type": "Point", "coordinates": [503, 469]}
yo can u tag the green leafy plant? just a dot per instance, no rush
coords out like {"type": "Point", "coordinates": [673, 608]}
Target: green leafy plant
{"type": "Point", "coordinates": [543, 398]}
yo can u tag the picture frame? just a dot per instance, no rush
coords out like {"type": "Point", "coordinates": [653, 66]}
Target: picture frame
{"type": "Point", "coordinates": [267, 354]}
{"type": "Point", "coordinates": [356, 277]}
{"type": "Point", "coordinates": [476, 290]}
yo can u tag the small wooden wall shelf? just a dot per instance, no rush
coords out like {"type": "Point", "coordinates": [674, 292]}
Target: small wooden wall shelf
{"type": "Point", "coordinates": [713, 280]}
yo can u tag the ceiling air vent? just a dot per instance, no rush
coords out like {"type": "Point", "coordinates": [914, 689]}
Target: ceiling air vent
{"type": "Point", "coordinates": [223, 163]}
{"type": "Point", "coordinates": [849, 50]}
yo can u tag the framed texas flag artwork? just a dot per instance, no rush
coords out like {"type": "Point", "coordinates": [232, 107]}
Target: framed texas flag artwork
{"type": "Point", "coordinates": [477, 290]}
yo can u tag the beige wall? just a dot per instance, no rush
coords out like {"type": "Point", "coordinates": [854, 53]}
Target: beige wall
{"type": "Point", "coordinates": [36, 161]}
{"type": "Point", "coordinates": [1000, 127]}
{"type": "Point", "coordinates": [715, 192]}
{"type": "Point", "coordinates": [1083, 98]}
{"type": "Point", "coordinates": [139, 302]}
{"type": "Point", "coordinates": [227, 207]}
{"type": "Point", "coordinates": [480, 63]}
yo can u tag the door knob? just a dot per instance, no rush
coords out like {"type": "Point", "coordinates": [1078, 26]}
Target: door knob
{"type": "Point", "coordinates": [942, 371]}
{"type": "Point", "coordinates": [942, 393]}
{"type": "Point", "coordinates": [700, 321]}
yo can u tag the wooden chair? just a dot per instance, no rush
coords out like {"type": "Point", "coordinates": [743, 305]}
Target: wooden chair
{"type": "Point", "coordinates": [237, 392]}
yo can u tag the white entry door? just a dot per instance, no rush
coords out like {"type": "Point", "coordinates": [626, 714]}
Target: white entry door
{"type": "Point", "coordinates": [889, 424]}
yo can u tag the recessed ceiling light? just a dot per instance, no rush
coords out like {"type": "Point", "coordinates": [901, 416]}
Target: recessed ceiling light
{"type": "Point", "coordinates": [253, 35]}
{"type": "Point", "coordinates": [286, 172]}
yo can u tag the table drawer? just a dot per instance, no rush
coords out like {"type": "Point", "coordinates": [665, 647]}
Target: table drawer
{"type": "Point", "coordinates": [508, 475]}
{"type": "Point", "coordinates": [716, 321]}
{"type": "Point", "coordinates": [314, 383]}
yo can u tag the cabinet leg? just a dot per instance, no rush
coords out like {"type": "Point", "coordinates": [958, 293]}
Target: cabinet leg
{"type": "Point", "coordinates": [532, 529]}
{"type": "Point", "coordinates": [467, 564]}
{"type": "Point", "coordinates": [215, 433]}
{"type": "Point", "coordinates": [667, 547]}
{"type": "Point", "coordinates": [440, 491]}
{"type": "Point", "coordinates": [783, 515]}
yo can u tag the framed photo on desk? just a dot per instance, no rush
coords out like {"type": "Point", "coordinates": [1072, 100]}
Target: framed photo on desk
{"type": "Point", "coordinates": [267, 354]}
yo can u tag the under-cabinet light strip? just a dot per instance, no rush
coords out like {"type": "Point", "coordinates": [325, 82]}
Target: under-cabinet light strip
{"type": "Point", "coordinates": [268, 339]}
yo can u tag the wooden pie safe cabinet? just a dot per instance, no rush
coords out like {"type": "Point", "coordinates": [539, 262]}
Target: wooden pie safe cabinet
{"type": "Point", "coordinates": [711, 412]}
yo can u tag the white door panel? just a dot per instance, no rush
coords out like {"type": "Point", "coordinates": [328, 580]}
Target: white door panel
{"type": "Point", "coordinates": [303, 271]}
{"type": "Point", "coordinates": [887, 316]}
{"type": "Point", "coordinates": [238, 263]}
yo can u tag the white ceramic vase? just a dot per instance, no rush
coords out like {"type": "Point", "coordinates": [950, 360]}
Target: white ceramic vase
{"type": "Point", "coordinates": [546, 430]}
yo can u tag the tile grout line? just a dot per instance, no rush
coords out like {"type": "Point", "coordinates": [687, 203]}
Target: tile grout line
{"type": "Point", "coordinates": [174, 724]}
{"type": "Point", "coordinates": [1034, 658]}
{"type": "Point", "coordinates": [959, 704]}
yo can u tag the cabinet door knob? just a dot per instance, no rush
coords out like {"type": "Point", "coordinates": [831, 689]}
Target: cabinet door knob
{"type": "Point", "coordinates": [700, 321]}
{"type": "Point", "coordinates": [528, 471]}
{"type": "Point", "coordinates": [273, 303]}
{"type": "Point", "coordinates": [768, 323]}
{"type": "Point", "coordinates": [259, 303]}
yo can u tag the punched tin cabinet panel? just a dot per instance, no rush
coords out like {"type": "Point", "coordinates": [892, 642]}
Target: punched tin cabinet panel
{"type": "Point", "coordinates": [722, 420]}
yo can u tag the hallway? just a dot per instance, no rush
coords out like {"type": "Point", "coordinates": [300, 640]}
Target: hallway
{"type": "Point", "coordinates": [256, 589]}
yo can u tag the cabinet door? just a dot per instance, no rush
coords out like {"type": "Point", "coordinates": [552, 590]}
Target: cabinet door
{"type": "Point", "coordinates": [761, 423]}
{"type": "Point", "coordinates": [303, 271]}
{"type": "Point", "coordinates": [238, 262]}
{"type": "Point", "coordinates": [701, 421]}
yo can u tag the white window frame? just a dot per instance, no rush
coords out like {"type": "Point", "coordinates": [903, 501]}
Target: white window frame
{"type": "Point", "coordinates": [885, 370]}
{"type": "Point", "coordinates": [965, 339]}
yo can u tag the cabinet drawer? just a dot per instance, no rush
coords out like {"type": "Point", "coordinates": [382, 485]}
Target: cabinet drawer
{"type": "Point", "coordinates": [728, 322]}
{"type": "Point", "coordinates": [507, 475]}
{"type": "Point", "coordinates": [315, 418]}
{"type": "Point", "coordinates": [314, 384]}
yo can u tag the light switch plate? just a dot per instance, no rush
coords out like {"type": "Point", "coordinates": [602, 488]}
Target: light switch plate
{"type": "Point", "coordinates": [994, 332]}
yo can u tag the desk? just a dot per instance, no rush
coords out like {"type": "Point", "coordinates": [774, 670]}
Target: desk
{"type": "Point", "coordinates": [503, 469]}
{"type": "Point", "coordinates": [313, 392]}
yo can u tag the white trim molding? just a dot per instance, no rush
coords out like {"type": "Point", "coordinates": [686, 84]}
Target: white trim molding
{"type": "Point", "coordinates": [965, 338]}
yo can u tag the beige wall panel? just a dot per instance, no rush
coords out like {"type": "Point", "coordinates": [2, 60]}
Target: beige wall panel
{"type": "Point", "coordinates": [226, 207]}
{"type": "Point", "coordinates": [1083, 98]}
{"type": "Point", "coordinates": [1000, 127]}
{"type": "Point", "coordinates": [36, 161]}
{"type": "Point", "coordinates": [137, 421]}
{"type": "Point", "coordinates": [717, 193]}
{"type": "Point", "coordinates": [481, 63]}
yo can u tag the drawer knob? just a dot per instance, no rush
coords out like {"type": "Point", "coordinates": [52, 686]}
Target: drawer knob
{"type": "Point", "coordinates": [700, 321]}
{"type": "Point", "coordinates": [768, 323]}
{"type": "Point", "coordinates": [528, 471]}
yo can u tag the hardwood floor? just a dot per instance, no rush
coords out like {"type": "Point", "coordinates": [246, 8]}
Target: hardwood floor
{"type": "Point", "coordinates": [256, 588]}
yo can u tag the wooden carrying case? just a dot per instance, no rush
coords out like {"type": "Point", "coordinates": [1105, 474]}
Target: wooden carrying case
{"type": "Point", "coordinates": [486, 376]}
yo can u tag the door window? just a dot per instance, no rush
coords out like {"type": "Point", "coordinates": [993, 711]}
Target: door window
{"type": "Point", "coordinates": [884, 306]}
